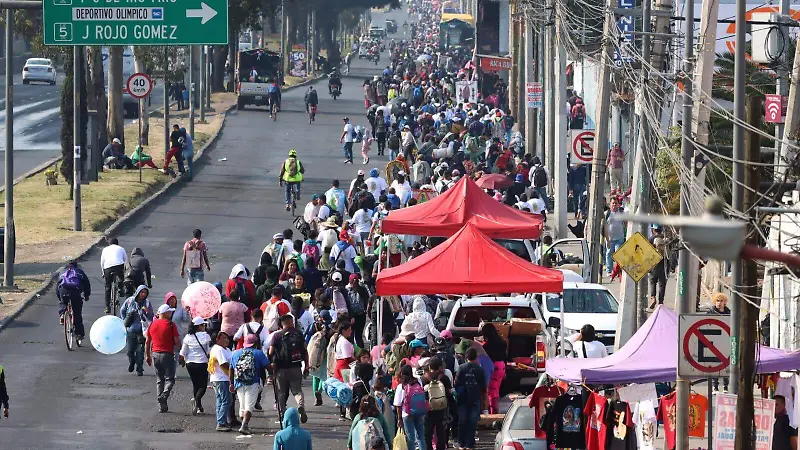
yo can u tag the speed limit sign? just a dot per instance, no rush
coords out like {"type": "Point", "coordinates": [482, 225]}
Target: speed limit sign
{"type": "Point", "coordinates": [139, 85]}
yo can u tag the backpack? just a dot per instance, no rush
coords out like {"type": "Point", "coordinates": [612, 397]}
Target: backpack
{"type": "Point", "coordinates": [194, 258]}
{"type": "Point", "coordinates": [414, 401]}
{"type": "Point", "coordinates": [437, 396]}
{"type": "Point", "coordinates": [398, 353]}
{"type": "Point", "coordinates": [418, 92]}
{"type": "Point", "coordinates": [370, 429]}
{"type": "Point", "coordinates": [244, 295]}
{"type": "Point", "coordinates": [330, 351]}
{"type": "Point", "coordinates": [317, 347]}
{"type": "Point", "coordinates": [357, 136]}
{"type": "Point", "coordinates": [70, 279]}
{"type": "Point", "coordinates": [355, 306]}
{"type": "Point", "coordinates": [273, 89]}
{"type": "Point", "coordinates": [539, 177]}
{"type": "Point", "coordinates": [272, 318]}
{"type": "Point", "coordinates": [291, 348]}
{"type": "Point", "coordinates": [257, 333]}
{"type": "Point", "coordinates": [393, 142]}
{"type": "Point", "coordinates": [339, 302]}
{"type": "Point", "coordinates": [292, 167]}
{"type": "Point", "coordinates": [246, 367]}
{"type": "Point", "coordinates": [393, 244]}
{"type": "Point", "coordinates": [312, 252]}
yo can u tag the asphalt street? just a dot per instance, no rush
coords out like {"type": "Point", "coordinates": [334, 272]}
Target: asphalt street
{"type": "Point", "coordinates": [37, 123]}
{"type": "Point", "coordinates": [84, 399]}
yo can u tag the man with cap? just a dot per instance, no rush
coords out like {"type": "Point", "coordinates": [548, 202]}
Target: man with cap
{"type": "Point", "coordinates": [355, 185]}
{"type": "Point", "coordinates": [161, 339]}
{"type": "Point", "coordinates": [347, 139]}
{"type": "Point", "coordinates": [114, 156]}
{"type": "Point", "coordinates": [288, 352]}
{"type": "Point", "coordinates": [246, 365]}
{"type": "Point", "coordinates": [311, 210]}
{"type": "Point", "coordinates": [344, 250]}
{"type": "Point", "coordinates": [276, 250]}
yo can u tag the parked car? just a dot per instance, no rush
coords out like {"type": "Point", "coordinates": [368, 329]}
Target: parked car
{"type": "Point", "coordinates": [391, 26]}
{"type": "Point", "coordinates": [516, 431]}
{"type": "Point", "coordinates": [39, 70]}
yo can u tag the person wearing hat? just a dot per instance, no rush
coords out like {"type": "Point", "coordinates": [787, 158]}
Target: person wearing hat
{"type": "Point", "coordinates": [328, 237]}
{"type": "Point", "coordinates": [114, 156]}
{"type": "Point", "coordinates": [276, 250]}
{"type": "Point", "coordinates": [311, 211]}
{"type": "Point", "coordinates": [347, 139]}
{"type": "Point", "coordinates": [355, 185]}
{"type": "Point", "coordinates": [136, 313]}
{"type": "Point", "coordinates": [194, 356]}
{"type": "Point", "coordinates": [161, 338]}
{"type": "Point", "coordinates": [246, 378]}
{"type": "Point", "coordinates": [291, 175]}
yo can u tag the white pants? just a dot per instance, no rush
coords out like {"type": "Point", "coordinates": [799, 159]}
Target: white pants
{"type": "Point", "coordinates": [247, 396]}
{"type": "Point", "coordinates": [617, 181]}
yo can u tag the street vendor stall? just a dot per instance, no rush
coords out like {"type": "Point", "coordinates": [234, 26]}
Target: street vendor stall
{"type": "Point", "coordinates": [464, 203]}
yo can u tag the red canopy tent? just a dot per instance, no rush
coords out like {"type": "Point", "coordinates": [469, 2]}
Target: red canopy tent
{"type": "Point", "coordinates": [469, 262]}
{"type": "Point", "coordinates": [464, 203]}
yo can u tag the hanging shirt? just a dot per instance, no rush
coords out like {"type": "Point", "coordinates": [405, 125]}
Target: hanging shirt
{"type": "Point", "coordinates": [622, 436]}
{"type": "Point", "coordinates": [698, 408]}
{"type": "Point", "coordinates": [541, 401]}
{"type": "Point", "coordinates": [596, 429]}
{"type": "Point", "coordinates": [565, 424]}
{"type": "Point", "coordinates": [666, 414]}
{"type": "Point", "coordinates": [644, 417]}
{"type": "Point", "coordinates": [787, 387]}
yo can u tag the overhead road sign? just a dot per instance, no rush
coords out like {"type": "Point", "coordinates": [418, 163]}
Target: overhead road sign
{"type": "Point", "coordinates": [704, 346]}
{"type": "Point", "coordinates": [143, 22]}
{"type": "Point", "coordinates": [637, 256]}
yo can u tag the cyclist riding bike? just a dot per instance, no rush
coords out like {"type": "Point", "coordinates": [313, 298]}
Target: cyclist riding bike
{"type": "Point", "coordinates": [312, 100]}
{"type": "Point", "coordinates": [334, 79]}
{"type": "Point", "coordinates": [274, 92]}
{"type": "Point", "coordinates": [291, 175]}
{"type": "Point", "coordinates": [73, 288]}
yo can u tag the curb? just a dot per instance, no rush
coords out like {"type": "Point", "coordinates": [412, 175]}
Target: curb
{"type": "Point", "coordinates": [48, 283]}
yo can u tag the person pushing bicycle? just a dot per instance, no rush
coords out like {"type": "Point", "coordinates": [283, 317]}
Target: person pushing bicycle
{"type": "Point", "coordinates": [73, 288]}
{"type": "Point", "coordinates": [292, 175]}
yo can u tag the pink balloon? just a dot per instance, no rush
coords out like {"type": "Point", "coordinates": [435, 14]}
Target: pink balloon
{"type": "Point", "coordinates": [202, 298]}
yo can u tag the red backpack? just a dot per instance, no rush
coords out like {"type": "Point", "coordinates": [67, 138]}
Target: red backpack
{"type": "Point", "coordinates": [312, 251]}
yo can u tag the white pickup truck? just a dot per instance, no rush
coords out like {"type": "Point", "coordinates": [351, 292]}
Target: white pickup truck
{"type": "Point", "coordinates": [252, 90]}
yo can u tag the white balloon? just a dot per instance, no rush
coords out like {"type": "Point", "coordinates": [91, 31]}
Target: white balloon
{"type": "Point", "coordinates": [107, 335]}
{"type": "Point", "coordinates": [202, 298]}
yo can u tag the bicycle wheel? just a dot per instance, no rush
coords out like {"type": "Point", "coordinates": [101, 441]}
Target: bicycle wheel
{"type": "Point", "coordinates": [114, 294]}
{"type": "Point", "coordinates": [69, 330]}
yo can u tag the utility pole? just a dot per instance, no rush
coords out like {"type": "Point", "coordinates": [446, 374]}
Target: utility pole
{"type": "Point", "coordinates": [513, 74]}
{"type": "Point", "coordinates": [782, 89]}
{"type": "Point", "coordinates": [203, 84]}
{"type": "Point", "coordinates": [191, 90]}
{"type": "Point", "coordinates": [77, 67]}
{"type": "Point", "coordinates": [9, 240]}
{"type": "Point", "coordinates": [739, 133]}
{"type": "Point", "coordinates": [166, 104]}
{"type": "Point", "coordinates": [530, 77]}
{"type": "Point", "coordinates": [685, 295]}
{"type": "Point", "coordinates": [540, 113]}
{"type": "Point", "coordinates": [549, 110]}
{"type": "Point", "coordinates": [748, 319]}
{"type": "Point", "coordinates": [598, 183]}
{"type": "Point", "coordinates": [559, 174]}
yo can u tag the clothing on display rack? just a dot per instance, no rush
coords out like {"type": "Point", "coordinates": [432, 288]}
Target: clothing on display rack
{"type": "Point", "coordinates": [541, 400]}
{"type": "Point", "coordinates": [698, 408]}
{"type": "Point", "coordinates": [644, 418]}
{"type": "Point", "coordinates": [565, 424]}
{"type": "Point", "coordinates": [622, 436]}
{"type": "Point", "coordinates": [595, 412]}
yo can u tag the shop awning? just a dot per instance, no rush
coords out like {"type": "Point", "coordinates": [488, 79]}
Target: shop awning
{"type": "Point", "coordinates": [650, 356]}
{"type": "Point", "coordinates": [464, 203]}
{"type": "Point", "coordinates": [468, 263]}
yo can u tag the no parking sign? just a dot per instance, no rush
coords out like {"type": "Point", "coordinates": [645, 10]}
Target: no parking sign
{"type": "Point", "coordinates": [704, 346]}
{"type": "Point", "coordinates": [582, 145]}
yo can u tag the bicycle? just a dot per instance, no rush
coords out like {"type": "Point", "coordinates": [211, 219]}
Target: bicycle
{"type": "Point", "coordinates": [69, 327]}
{"type": "Point", "coordinates": [273, 109]}
{"type": "Point", "coordinates": [294, 195]}
{"type": "Point", "coordinates": [312, 112]}
{"type": "Point", "coordinates": [114, 294]}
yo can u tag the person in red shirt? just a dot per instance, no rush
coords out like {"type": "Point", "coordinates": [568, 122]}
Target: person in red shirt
{"type": "Point", "coordinates": [239, 281]}
{"type": "Point", "coordinates": [283, 308]}
{"type": "Point", "coordinates": [161, 339]}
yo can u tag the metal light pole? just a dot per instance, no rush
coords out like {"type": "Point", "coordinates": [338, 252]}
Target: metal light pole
{"type": "Point", "coordinates": [191, 91]}
{"type": "Point", "coordinates": [77, 66]}
{"type": "Point", "coordinates": [166, 104]}
{"type": "Point", "coordinates": [10, 241]}
{"type": "Point", "coordinates": [203, 84]}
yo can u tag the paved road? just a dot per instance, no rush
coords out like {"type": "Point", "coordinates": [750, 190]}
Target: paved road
{"type": "Point", "coordinates": [37, 123]}
{"type": "Point", "coordinates": [238, 205]}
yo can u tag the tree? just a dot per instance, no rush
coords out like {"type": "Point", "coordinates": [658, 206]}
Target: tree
{"type": "Point", "coordinates": [67, 121]}
{"type": "Point", "coordinates": [116, 110]}
{"type": "Point", "coordinates": [96, 92]}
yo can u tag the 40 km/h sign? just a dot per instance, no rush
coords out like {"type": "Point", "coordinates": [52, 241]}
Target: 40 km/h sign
{"type": "Point", "coordinates": [139, 85]}
{"type": "Point", "coordinates": [704, 346]}
{"type": "Point", "coordinates": [135, 22]}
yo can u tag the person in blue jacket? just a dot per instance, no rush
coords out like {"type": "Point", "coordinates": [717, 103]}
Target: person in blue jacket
{"type": "Point", "coordinates": [292, 436]}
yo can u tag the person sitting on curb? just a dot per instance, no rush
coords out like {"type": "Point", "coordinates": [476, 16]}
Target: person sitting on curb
{"type": "Point", "coordinates": [114, 156]}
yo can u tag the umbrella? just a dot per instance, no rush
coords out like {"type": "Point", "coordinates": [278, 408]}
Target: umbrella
{"type": "Point", "coordinates": [425, 57]}
{"type": "Point", "coordinates": [494, 181]}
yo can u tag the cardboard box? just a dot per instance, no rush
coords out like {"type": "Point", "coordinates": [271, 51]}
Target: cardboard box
{"type": "Point", "coordinates": [526, 327]}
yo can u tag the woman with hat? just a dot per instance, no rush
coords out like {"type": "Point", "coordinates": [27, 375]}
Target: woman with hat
{"type": "Point", "coordinates": [194, 356]}
{"type": "Point", "coordinates": [328, 237]}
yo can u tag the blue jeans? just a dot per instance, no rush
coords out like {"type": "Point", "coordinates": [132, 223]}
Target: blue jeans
{"type": "Point", "coordinates": [136, 350]}
{"type": "Point", "coordinates": [289, 187]}
{"type": "Point", "coordinates": [415, 431]}
{"type": "Point", "coordinates": [577, 196]}
{"type": "Point", "coordinates": [195, 275]}
{"type": "Point", "coordinates": [613, 246]}
{"type": "Point", "coordinates": [542, 191]}
{"type": "Point", "coordinates": [468, 416]}
{"type": "Point", "coordinates": [348, 151]}
{"type": "Point", "coordinates": [223, 395]}
{"type": "Point", "coordinates": [393, 154]}
{"type": "Point", "coordinates": [188, 156]}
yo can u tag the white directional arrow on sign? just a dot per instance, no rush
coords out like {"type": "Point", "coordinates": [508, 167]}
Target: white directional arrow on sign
{"type": "Point", "coordinates": [205, 13]}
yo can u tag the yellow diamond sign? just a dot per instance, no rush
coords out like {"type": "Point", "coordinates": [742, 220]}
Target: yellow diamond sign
{"type": "Point", "coordinates": [637, 256]}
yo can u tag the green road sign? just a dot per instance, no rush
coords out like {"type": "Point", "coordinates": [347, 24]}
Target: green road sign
{"type": "Point", "coordinates": [135, 22]}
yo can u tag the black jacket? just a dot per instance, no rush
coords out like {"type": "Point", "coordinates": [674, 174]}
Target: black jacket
{"type": "Point", "coordinates": [3, 390]}
{"type": "Point", "coordinates": [138, 268]}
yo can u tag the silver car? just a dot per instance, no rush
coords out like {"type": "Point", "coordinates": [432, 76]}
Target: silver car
{"type": "Point", "coordinates": [39, 69]}
{"type": "Point", "coordinates": [516, 432]}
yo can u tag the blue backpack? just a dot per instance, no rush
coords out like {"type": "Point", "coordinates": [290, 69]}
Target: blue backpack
{"type": "Point", "coordinates": [418, 92]}
{"type": "Point", "coordinates": [273, 89]}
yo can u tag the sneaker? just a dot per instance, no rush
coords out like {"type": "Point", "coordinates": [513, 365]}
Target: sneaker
{"type": "Point", "coordinates": [223, 428]}
{"type": "Point", "coordinates": [235, 423]}
{"type": "Point", "coordinates": [244, 429]}
{"type": "Point", "coordinates": [107, 310]}
{"type": "Point", "coordinates": [346, 161]}
{"type": "Point", "coordinates": [61, 319]}
{"type": "Point", "coordinates": [140, 373]}
{"type": "Point", "coordinates": [303, 415]}
{"type": "Point", "coordinates": [367, 161]}
{"type": "Point", "coordinates": [162, 406]}
{"type": "Point", "coordinates": [193, 406]}
{"type": "Point", "coordinates": [287, 207]}
{"type": "Point", "coordinates": [130, 367]}
{"type": "Point", "coordinates": [318, 396]}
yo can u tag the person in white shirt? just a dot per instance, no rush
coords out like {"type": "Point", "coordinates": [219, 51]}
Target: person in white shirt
{"type": "Point", "coordinates": [324, 211]}
{"type": "Point", "coordinates": [112, 263]}
{"type": "Point", "coordinates": [194, 356]}
{"type": "Point", "coordinates": [255, 326]}
{"type": "Point", "coordinates": [221, 356]}
{"type": "Point", "coordinates": [312, 209]}
{"type": "Point", "coordinates": [362, 220]}
{"type": "Point", "coordinates": [401, 188]}
{"type": "Point", "coordinates": [586, 345]}
{"type": "Point", "coordinates": [347, 141]}
{"type": "Point", "coordinates": [380, 184]}
{"type": "Point", "coordinates": [345, 251]}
